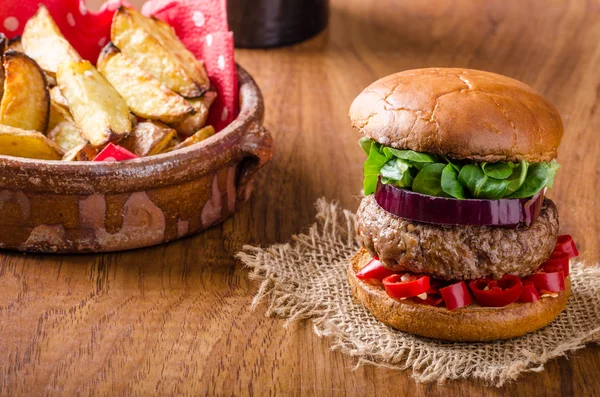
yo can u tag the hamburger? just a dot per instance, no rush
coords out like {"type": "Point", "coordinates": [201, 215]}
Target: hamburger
{"type": "Point", "coordinates": [459, 241]}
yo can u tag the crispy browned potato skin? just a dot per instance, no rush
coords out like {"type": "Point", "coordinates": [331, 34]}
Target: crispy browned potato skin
{"type": "Point", "coordinates": [159, 52]}
{"type": "Point", "coordinates": [191, 124]}
{"type": "Point", "coordinates": [43, 41]}
{"type": "Point", "coordinates": [99, 111]}
{"type": "Point", "coordinates": [31, 144]}
{"type": "Point", "coordinates": [83, 152]}
{"type": "Point", "coordinates": [145, 95]}
{"type": "Point", "coordinates": [149, 138]}
{"type": "Point", "coordinates": [199, 136]}
{"type": "Point", "coordinates": [15, 44]}
{"type": "Point", "coordinates": [25, 102]}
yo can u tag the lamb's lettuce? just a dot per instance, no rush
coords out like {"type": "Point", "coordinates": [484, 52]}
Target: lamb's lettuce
{"type": "Point", "coordinates": [462, 179]}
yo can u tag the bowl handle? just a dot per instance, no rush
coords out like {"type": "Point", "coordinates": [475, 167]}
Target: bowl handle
{"type": "Point", "coordinates": [257, 150]}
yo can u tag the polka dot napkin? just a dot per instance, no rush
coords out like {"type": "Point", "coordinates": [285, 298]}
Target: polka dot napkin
{"type": "Point", "coordinates": [87, 31]}
{"type": "Point", "coordinates": [201, 26]}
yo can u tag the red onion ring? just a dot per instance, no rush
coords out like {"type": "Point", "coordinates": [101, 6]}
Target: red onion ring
{"type": "Point", "coordinates": [450, 211]}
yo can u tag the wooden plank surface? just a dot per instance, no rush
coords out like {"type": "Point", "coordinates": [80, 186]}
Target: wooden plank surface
{"type": "Point", "coordinates": [175, 319]}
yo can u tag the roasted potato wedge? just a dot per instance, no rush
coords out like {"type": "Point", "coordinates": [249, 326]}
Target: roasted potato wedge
{"type": "Point", "coordinates": [83, 152]}
{"type": "Point", "coordinates": [158, 52]}
{"type": "Point", "coordinates": [166, 35]}
{"type": "Point", "coordinates": [59, 109]}
{"type": "Point", "coordinates": [25, 102]}
{"type": "Point", "coordinates": [146, 96]}
{"type": "Point", "coordinates": [58, 114]}
{"type": "Point", "coordinates": [43, 41]}
{"type": "Point", "coordinates": [193, 123]}
{"type": "Point", "coordinates": [30, 144]}
{"type": "Point", "coordinates": [149, 138]}
{"type": "Point", "coordinates": [99, 111]}
{"type": "Point", "coordinates": [66, 135]}
{"type": "Point", "coordinates": [57, 97]}
{"type": "Point", "coordinates": [15, 44]}
{"type": "Point", "coordinates": [199, 136]}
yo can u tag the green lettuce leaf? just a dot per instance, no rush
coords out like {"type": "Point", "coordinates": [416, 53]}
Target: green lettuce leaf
{"type": "Point", "coordinates": [372, 168]}
{"type": "Point", "coordinates": [480, 185]}
{"type": "Point", "coordinates": [412, 156]}
{"type": "Point", "coordinates": [536, 180]}
{"type": "Point", "coordinates": [440, 176]}
{"type": "Point", "coordinates": [396, 172]}
{"type": "Point", "coordinates": [429, 180]}
{"type": "Point", "coordinates": [450, 183]}
{"type": "Point", "coordinates": [365, 143]}
{"type": "Point", "coordinates": [517, 178]}
{"type": "Point", "coordinates": [499, 170]}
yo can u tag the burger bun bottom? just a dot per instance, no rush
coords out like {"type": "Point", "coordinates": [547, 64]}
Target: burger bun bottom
{"type": "Point", "coordinates": [472, 323]}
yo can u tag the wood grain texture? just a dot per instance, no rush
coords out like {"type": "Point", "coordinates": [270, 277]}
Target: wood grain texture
{"type": "Point", "coordinates": [175, 319]}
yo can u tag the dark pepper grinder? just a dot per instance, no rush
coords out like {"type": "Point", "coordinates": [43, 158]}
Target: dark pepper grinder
{"type": "Point", "coordinates": [275, 23]}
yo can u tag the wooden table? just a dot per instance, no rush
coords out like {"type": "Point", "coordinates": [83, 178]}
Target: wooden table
{"type": "Point", "coordinates": [175, 319]}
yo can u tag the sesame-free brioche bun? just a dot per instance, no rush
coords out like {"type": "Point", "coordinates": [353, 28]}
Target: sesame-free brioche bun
{"type": "Point", "coordinates": [472, 323]}
{"type": "Point", "coordinates": [460, 113]}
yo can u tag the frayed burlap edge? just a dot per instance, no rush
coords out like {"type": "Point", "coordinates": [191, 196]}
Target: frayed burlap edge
{"type": "Point", "coordinates": [306, 279]}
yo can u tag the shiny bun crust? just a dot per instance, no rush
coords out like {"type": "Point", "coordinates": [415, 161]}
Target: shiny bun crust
{"type": "Point", "coordinates": [469, 324]}
{"type": "Point", "coordinates": [461, 113]}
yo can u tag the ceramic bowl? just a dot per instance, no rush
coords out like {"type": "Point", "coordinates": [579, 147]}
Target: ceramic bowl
{"type": "Point", "coordinates": [56, 206]}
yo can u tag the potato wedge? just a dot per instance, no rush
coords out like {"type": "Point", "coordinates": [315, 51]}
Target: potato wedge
{"type": "Point", "coordinates": [193, 123]}
{"type": "Point", "coordinates": [15, 44]}
{"type": "Point", "coordinates": [159, 53]}
{"type": "Point", "coordinates": [145, 95]}
{"type": "Point", "coordinates": [43, 41]}
{"type": "Point", "coordinates": [149, 138]}
{"type": "Point", "coordinates": [58, 114]}
{"type": "Point", "coordinates": [25, 102]}
{"type": "Point", "coordinates": [83, 152]}
{"type": "Point", "coordinates": [199, 136]}
{"type": "Point", "coordinates": [166, 35]}
{"type": "Point", "coordinates": [57, 97]}
{"type": "Point", "coordinates": [99, 111]}
{"type": "Point", "coordinates": [59, 109]}
{"type": "Point", "coordinates": [66, 135]}
{"type": "Point", "coordinates": [30, 144]}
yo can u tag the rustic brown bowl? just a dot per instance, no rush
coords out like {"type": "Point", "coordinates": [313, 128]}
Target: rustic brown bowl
{"type": "Point", "coordinates": [55, 206]}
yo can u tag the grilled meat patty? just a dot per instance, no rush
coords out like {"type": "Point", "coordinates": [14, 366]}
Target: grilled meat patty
{"type": "Point", "coordinates": [456, 252]}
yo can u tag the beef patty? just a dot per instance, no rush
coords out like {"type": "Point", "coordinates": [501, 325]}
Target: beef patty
{"type": "Point", "coordinates": [456, 252]}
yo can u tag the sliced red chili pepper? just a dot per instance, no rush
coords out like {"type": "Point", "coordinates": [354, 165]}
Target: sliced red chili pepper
{"type": "Point", "coordinates": [566, 244]}
{"type": "Point", "coordinates": [405, 285]}
{"type": "Point", "coordinates": [434, 298]}
{"type": "Point", "coordinates": [553, 282]}
{"type": "Point", "coordinates": [528, 293]}
{"type": "Point", "coordinates": [496, 293]}
{"type": "Point", "coordinates": [456, 295]}
{"type": "Point", "coordinates": [374, 270]}
{"type": "Point", "coordinates": [114, 152]}
{"type": "Point", "coordinates": [558, 262]}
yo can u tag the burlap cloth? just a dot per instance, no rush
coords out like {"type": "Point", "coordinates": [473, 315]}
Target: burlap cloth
{"type": "Point", "coordinates": [307, 279]}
